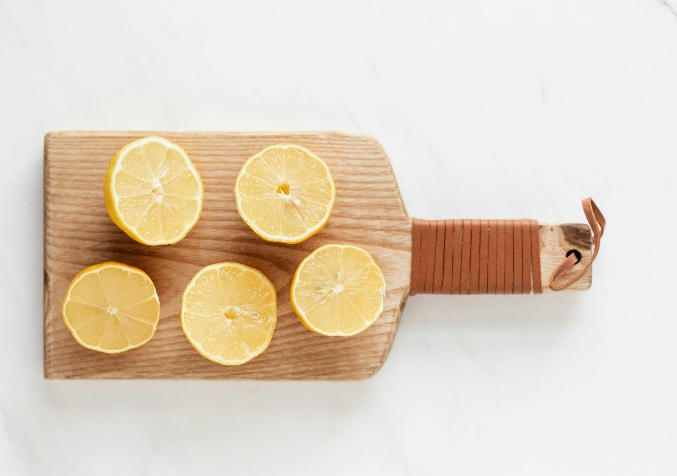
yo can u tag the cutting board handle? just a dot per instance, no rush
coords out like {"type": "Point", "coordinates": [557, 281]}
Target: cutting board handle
{"type": "Point", "coordinates": [472, 256]}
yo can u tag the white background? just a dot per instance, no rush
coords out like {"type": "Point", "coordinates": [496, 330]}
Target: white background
{"type": "Point", "coordinates": [491, 109]}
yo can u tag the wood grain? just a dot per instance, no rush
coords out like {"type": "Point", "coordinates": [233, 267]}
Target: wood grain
{"type": "Point", "coordinates": [368, 212]}
{"type": "Point", "coordinates": [556, 241]}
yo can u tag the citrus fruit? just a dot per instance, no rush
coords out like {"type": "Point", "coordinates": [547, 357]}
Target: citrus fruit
{"type": "Point", "coordinates": [285, 193]}
{"type": "Point", "coordinates": [111, 307]}
{"type": "Point", "coordinates": [228, 312]}
{"type": "Point", "coordinates": [338, 290]}
{"type": "Point", "coordinates": [153, 192]}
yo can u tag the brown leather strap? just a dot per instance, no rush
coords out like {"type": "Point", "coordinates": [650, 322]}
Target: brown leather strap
{"type": "Point", "coordinates": [509, 256]}
{"type": "Point", "coordinates": [465, 257]}
{"type": "Point", "coordinates": [597, 223]}
{"type": "Point", "coordinates": [447, 269]}
{"type": "Point", "coordinates": [517, 259]}
{"type": "Point", "coordinates": [536, 257]}
{"type": "Point", "coordinates": [500, 257]}
{"type": "Point", "coordinates": [475, 231]}
{"type": "Point", "coordinates": [492, 259]}
{"type": "Point", "coordinates": [484, 257]}
{"type": "Point", "coordinates": [456, 258]}
{"type": "Point", "coordinates": [475, 257]}
{"type": "Point", "coordinates": [415, 256]}
{"type": "Point", "coordinates": [428, 238]}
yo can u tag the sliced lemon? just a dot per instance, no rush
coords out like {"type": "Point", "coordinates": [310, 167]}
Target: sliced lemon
{"type": "Point", "coordinates": [153, 192]}
{"type": "Point", "coordinates": [285, 193]}
{"type": "Point", "coordinates": [111, 307]}
{"type": "Point", "coordinates": [338, 290]}
{"type": "Point", "coordinates": [228, 312]}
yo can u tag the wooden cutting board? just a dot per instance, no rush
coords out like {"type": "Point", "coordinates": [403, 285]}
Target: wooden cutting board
{"type": "Point", "coordinates": [368, 212]}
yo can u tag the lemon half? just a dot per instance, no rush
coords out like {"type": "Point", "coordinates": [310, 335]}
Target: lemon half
{"type": "Point", "coordinates": [111, 307]}
{"type": "Point", "coordinates": [338, 290]}
{"type": "Point", "coordinates": [153, 192]}
{"type": "Point", "coordinates": [285, 193]}
{"type": "Point", "coordinates": [229, 312]}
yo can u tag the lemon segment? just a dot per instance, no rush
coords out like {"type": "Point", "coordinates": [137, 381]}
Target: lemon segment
{"type": "Point", "coordinates": [338, 290]}
{"type": "Point", "coordinates": [285, 193]}
{"type": "Point", "coordinates": [229, 312]}
{"type": "Point", "coordinates": [153, 192]}
{"type": "Point", "coordinates": [111, 307]}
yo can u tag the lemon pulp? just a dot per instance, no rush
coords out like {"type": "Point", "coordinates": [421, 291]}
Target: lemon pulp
{"type": "Point", "coordinates": [338, 290]}
{"type": "Point", "coordinates": [285, 193]}
{"type": "Point", "coordinates": [229, 312]}
{"type": "Point", "coordinates": [153, 192]}
{"type": "Point", "coordinates": [111, 307]}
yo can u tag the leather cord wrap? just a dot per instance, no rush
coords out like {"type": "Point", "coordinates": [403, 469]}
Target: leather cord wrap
{"type": "Point", "coordinates": [597, 224]}
{"type": "Point", "coordinates": [475, 257]}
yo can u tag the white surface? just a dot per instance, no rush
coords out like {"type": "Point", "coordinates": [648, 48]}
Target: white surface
{"type": "Point", "coordinates": [503, 109]}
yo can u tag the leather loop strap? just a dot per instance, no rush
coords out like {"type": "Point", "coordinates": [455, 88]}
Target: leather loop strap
{"type": "Point", "coordinates": [475, 257]}
{"type": "Point", "coordinates": [597, 224]}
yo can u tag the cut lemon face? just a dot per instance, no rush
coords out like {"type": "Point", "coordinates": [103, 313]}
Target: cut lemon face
{"type": "Point", "coordinates": [338, 290]}
{"type": "Point", "coordinates": [111, 307]}
{"type": "Point", "coordinates": [285, 193]}
{"type": "Point", "coordinates": [153, 192]}
{"type": "Point", "coordinates": [228, 312]}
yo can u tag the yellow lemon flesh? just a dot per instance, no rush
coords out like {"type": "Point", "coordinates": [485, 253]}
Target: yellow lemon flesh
{"type": "Point", "coordinates": [111, 307]}
{"type": "Point", "coordinates": [285, 193]}
{"type": "Point", "coordinates": [338, 290]}
{"type": "Point", "coordinates": [228, 312]}
{"type": "Point", "coordinates": [153, 192]}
